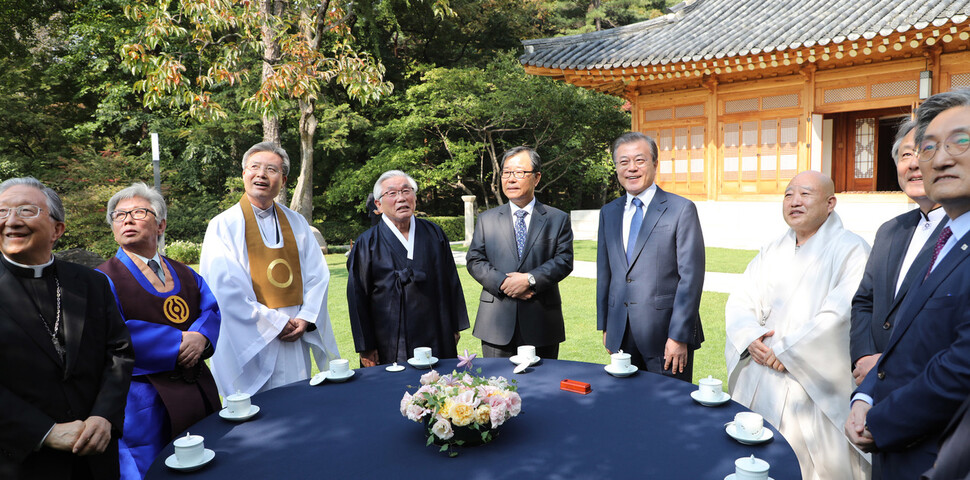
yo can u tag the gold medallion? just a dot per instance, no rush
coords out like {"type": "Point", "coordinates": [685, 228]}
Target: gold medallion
{"type": "Point", "coordinates": [175, 309]}
{"type": "Point", "coordinates": [289, 271]}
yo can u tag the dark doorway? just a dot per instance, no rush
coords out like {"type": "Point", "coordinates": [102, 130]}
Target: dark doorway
{"type": "Point", "coordinates": [886, 180]}
{"type": "Point", "coordinates": [862, 154]}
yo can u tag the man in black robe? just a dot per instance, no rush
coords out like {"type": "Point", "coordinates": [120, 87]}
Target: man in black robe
{"type": "Point", "coordinates": [403, 291]}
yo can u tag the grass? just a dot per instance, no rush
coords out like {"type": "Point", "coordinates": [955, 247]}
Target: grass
{"type": "Point", "coordinates": [724, 260]}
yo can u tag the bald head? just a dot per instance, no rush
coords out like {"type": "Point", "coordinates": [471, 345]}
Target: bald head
{"type": "Point", "coordinates": [809, 199]}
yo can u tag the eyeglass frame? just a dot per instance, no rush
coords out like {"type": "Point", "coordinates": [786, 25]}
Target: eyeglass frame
{"type": "Point", "coordinates": [18, 209]}
{"type": "Point", "coordinates": [518, 174]}
{"type": "Point", "coordinates": [116, 219]}
{"type": "Point", "coordinates": [625, 163]}
{"type": "Point", "coordinates": [946, 146]}
{"type": "Point", "coordinates": [257, 167]}
{"type": "Point", "coordinates": [392, 194]}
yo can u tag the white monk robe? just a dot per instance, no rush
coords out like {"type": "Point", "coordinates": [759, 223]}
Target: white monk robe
{"type": "Point", "coordinates": [805, 296]}
{"type": "Point", "coordinates": [250, 357]}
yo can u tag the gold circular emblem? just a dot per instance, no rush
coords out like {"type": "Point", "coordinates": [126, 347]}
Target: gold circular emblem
{"type": "Point", "coordinates": [176, 310]}
{"type": "Point", "coordinates": [289, 270]}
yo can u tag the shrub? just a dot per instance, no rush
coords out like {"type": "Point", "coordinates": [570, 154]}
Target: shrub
{"type": "Point", "coordinates": [184, 251]}
{"type": "Point", "coordinates": [454, 227]}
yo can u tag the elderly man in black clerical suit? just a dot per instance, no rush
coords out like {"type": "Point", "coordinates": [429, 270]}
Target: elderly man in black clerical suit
{"type": "Point", "coordinates": [65, 354]}
{"type": "Point", "coordinates": [519, 253]}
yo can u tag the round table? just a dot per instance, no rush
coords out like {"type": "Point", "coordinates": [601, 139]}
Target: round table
{"type": "Point", "coordinates": [643, 426]}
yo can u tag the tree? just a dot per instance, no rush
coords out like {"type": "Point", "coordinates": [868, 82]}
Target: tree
{"type": "Point", "coordinates": [583, 16]}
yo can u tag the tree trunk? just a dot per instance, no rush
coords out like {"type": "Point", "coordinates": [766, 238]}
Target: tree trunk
{"type": "Point", "coordinates": [302, 202]}
{"type": "Point", "coordinates": [271, 54]}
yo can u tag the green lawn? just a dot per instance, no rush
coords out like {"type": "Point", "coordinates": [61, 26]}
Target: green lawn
{"type": "Point", "coordinates": [724, 260]}
{"type": "Point", "coordinates": [583, 341]}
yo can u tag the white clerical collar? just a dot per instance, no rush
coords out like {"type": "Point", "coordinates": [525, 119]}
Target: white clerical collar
{"type": "Point", "coordinates": [264, 213]}
{"type": "Point", "coordinates": [407, 242]}
{"type": "Point", "coordinates": [37, 269]}
{"type": "Point", "coordinates": [645, 196]}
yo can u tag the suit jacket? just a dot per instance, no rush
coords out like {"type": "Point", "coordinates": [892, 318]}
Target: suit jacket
{"type": "Point", "coordinates": [548, 255]}
{"type": "Point", "coordinates": [38, 390]}
{"type": "Point", "coordinates": [953, 462]}
{"type": "Point", "coordinates": [659, 293]}
{"type": "Point", "coordinates": [924, 374]}
{"type": "Point", "coordinates": [876, 302]}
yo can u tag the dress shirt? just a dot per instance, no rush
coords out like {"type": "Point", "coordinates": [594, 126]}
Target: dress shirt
{"type": "Point", "coordinates": [960, 226]}
{"type": "Point", "coordinates": [158, 260]}
{"type": "Point", "coordinates": [528, 218]}
{"type": "Point", "coordinates": [407, 242]}
{"type": "Point", "coordinates": [646, 197]}
{"type": "Point", "coordinates": [924, 229]}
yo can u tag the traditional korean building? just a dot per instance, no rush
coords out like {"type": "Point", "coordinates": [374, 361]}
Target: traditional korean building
{"type": "Point", "coordinates": [743, 94]}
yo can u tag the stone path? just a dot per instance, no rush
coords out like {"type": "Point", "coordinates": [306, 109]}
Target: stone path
{"type": "Point", "coordinates": [713, 281]}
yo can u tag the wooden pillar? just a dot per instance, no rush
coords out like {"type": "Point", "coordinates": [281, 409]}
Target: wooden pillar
{"type": "Point", "coordinates": [712, 152]}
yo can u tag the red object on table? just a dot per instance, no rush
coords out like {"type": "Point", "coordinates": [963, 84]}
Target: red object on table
{"type": "Point", "coordinates": [575, 386]}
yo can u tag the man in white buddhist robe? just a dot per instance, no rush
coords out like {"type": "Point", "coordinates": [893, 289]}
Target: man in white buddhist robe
{"type": "Point", "coordinates": [267, 272]}
{"type": "Point", "coordinates": [788, 330]}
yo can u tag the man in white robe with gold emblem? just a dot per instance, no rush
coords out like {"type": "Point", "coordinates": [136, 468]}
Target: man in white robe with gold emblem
{"type": "Point", "coordinates": [788, 330]}
{"type": "Point", "coordinates": [266, 270]}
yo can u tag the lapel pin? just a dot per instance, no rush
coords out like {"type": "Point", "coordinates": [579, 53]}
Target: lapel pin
{"type": "Point", "coordinates": [963, 247]}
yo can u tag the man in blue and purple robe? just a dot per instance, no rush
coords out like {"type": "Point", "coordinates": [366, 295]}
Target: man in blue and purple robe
{"type": "Point", "coordinates": [174, 322]}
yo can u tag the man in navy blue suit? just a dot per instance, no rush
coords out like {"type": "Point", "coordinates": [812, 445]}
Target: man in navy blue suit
{"type": "Point", "coordinates": [923, 376]}
{"type": "Point", "coordinates": [902, 248]}
{"type": "Point", "coordinates": [649, 267]}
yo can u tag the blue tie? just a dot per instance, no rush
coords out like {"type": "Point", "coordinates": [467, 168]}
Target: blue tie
{"type": "Point", "coordinates": [520, 230]}
{"type": "Point", "coordinates": [635, 223]}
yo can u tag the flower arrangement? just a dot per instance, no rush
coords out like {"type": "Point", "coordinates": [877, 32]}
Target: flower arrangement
{"type": "Point", "coordinates": [461, 408]}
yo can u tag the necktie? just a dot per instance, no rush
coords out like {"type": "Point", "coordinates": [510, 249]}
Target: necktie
{"type": "Point", "coordinates": [944, 236]}
{"type": "Point", "coordinates": [520, 230]}
{"type": "Point", "coordinates": [634, 229]}
{"type": "Point", "coordinates": [152, 264]}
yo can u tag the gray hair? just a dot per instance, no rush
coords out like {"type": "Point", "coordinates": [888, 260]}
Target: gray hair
{"type": "Point", "coordinates": [533, 157]}
{"type": "Point", "coordinates": [630, 137]}
{"type": "Point", "coordinates": [268, 147]}
{"type": "Point", "coordinates": [54, 206]}
{"type": "Point", "coordinates": [936, 105]}
{"type": "Point", "coordinates": [140, 190]}
{"type": "Point", "coordinates": [391, 174]}
{"type": "Point", "coordinates": [904, 129]}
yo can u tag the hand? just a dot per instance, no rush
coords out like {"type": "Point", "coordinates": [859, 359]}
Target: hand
{"type": "Point", "coordinates": [855, 427]}
{"type": "Point", "coordinates": [64, 435]}
{"type": "Point", "coordinates": [369, 358]}
{"type": "Point", "coordinates": [95, 436]}
{"type": "Point", "coordinates": [457, 337]}
{"type": "Point", "coordinates": [604, 343]}
{"type": "Point", "coordinates": [758, 350]}
{"type": "Point", "coordinates": [675, 356]}
{"type": "Point", "coordinates": [190, 350]}
{"type": "Point", "coordinates": [771, 361]}
{"type": "Point", "coordinates": [293, 330]}
{"type": "Point", "coordinates": [862, 367]}
{"type": "Point", "coordinates": [516, 285]}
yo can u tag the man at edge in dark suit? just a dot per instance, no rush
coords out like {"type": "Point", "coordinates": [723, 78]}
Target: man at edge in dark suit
{"type": "Point", "coordinates": [923, 376]}
{"type": "Point", "coordinates": [519, 253]}
{"type": "Point", "coordinates": [65, 354]}
{"type": "Point", "coordinates": [649, 267]}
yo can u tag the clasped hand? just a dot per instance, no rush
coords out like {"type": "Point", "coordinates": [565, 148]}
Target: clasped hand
{"type": "Point", "coordinates": [88, 437]}
{"type": "Point", "coordinates": [293, 330]}
{"type": "Point", "coordinates": [764, 355]}
{"type": "Point", "coordinates": [516, 285]}
{"type": "Point", "coordinates": [855, 427]}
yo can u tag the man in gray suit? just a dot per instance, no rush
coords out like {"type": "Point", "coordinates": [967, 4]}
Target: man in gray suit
{"type": "Point", "coordinates": [519, 253]}
{"type": "Point", "coordinates": [649, 267]}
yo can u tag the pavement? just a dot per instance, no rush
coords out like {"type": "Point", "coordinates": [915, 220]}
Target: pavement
{"type": "Point", "coordinates": [713, 281]}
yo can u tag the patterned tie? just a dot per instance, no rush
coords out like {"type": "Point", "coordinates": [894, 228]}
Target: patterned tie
{"type": "Point", "coordinates": [635, 223]}
{"type": "Point", "coordinates": [520, 230]}
{"type": "Point", "coordinates": [944, 236]}
{"type": "Point", "coordinates": [152, 264]}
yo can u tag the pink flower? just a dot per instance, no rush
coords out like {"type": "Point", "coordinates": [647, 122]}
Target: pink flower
{"type": "Point", "coordinates": [497, 414]}
{"type": "Point", "coordinates": [416, 412]}
{"type": "Point", "coordinates": [405, 402]}
{"type": "Point", "coordinates": [468, 398]}
{"type": "Point", "coordinates": [515, 403]}
{"type": "Point", "coordinates": [429, 378]}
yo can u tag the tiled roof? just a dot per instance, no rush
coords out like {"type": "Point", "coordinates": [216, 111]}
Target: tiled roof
{"type": "Point", "coordinates": [709, 29]}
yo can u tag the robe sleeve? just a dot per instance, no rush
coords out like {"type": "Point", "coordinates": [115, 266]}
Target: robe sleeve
{"type": "Point", "coordinates": [210, 319]}
{"type": "Point", "coordinates": [743, 311]}
{"type": "Point", "coordinates": [359, 294]}
{"type": "Point", "coordinates": [448, 269]}
{"type": "Point", "coordinates": [118, 363]}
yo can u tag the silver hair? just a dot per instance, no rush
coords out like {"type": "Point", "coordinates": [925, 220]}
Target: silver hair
{"type": "Point", "coordinates": [534, 159]}
{"type": "Point", "coordinates": [268, 147]}
{"type": "Point", "coordinates": [54, 206]}
{"type": "Point", "coordinates": [630, 137]}
{"type": "Point", "coordinates": [904, 129]}
{"type": "Point", "coordinates": [936, 105]}
{"type": "Point", "coordinates": [140, 190]}
{"type": "Point", "coordinates": [391, 174]}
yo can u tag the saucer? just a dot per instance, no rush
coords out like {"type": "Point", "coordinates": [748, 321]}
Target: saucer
{"type": "Point", "coordinates": [173, 463]}
{"type": "Point", "coordinates": [517, 360]}
{"type": "Point", "coordinates": [620, 373]}
{"type": "Point", "coordinates": [696, 395]}
{"type": "Point", "coordinates": [318, 378]}
{"type": "Point", "coordinates": [253, 410]}
{"type": "Point", "coordinates": [733, 433]}
{"type": "Point", "coordinates": [394, 368]}
{"type": "Point", "coordinates": [416, 364]}
{"type": "Point", "coordinates": [341, 378]}
{"type": "Point", "coordinates": [732, 477]}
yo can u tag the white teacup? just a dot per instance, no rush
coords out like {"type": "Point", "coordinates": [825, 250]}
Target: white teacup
{"type": "Point", "coordinates": [750, 468]}
{"type": "Point", "coordinates": [710, 388]}
{"type": "Point", "coordinates": [238, 404]}
{"type": "Point", "coordinates": [190, 449]}
{"type": "Point", "coordinates": [422, 354]}
{"type": "Point", "coordinates": [749, 425]}
{"type": "Point", "coordinates": [620, 361]}
{"type": "Point", "coordinates": [526, 352]}
{"type": "Point", "coordinates": [339, 367]}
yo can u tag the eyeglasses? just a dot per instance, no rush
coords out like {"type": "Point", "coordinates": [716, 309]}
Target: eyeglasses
{"type": "Point", "coordinates": [23, 211]}
{"type": "Point", "coordinates": [118, 216]}
{"type": "Point", "coordinates": [955, 144]}
{"type": "Point", "coordinates": [392, 194]}
{"type": "Point", "coordinates": [520, 174]}
{"type": "Point", "coordinates": [270, 169]}
{"type": "Point", "coordinates": [625, 163]}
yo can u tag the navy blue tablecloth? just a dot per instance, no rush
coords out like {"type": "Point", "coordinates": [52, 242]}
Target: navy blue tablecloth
{"type": "Point", "coordinates": [643, 426]}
